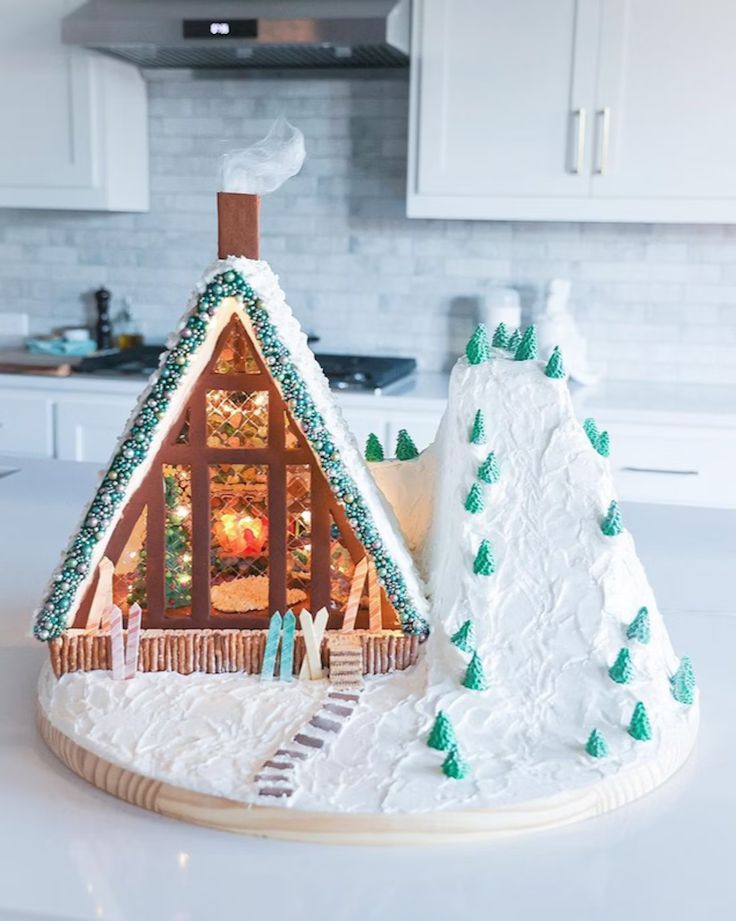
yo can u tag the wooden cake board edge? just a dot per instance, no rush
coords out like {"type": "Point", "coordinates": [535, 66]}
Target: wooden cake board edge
{"type": "Point", "coordinates": [357, 828]}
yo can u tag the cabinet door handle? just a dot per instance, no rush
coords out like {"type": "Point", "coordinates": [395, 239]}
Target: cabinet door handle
{"type": "Point", "coordinates": [661, 470]}
{"type": "Point", "coordinates": [577, 117]}
{"type": "Point", "coordinates": [604, 132]}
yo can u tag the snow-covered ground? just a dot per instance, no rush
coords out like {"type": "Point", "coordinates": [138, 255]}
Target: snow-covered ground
{"type": "Point", "coordinates": [548, 623]}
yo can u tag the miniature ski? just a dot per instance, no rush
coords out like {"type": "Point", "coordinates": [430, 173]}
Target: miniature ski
{"type": "Point", "coordinates": [272, 647]}
{"type": "Point", "coordinates": [287, 647]}
{"type": "Point", "coordinates": [313, 632]}
{"type": "Point", "coordinates": [133, 641]}
{"type": "Point", "coordinates": [114, 622]}
{"type": "Point", "coordinates": [356, 590]}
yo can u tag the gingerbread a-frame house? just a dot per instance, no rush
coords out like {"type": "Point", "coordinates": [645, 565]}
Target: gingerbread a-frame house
{"type": "Point", "coordinates": [235, 491]}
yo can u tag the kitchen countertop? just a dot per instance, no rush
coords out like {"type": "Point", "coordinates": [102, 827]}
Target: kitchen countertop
{"type": "Point", "coordinates": [690, 404]}
{"type": "Point", "coordinates": [72, 852]}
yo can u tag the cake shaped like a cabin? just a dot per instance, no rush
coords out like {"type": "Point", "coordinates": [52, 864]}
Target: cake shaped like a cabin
{"type": "Point", "coordinates": [253, 597]}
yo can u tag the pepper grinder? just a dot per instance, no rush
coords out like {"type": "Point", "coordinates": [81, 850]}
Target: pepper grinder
{"type": "Point", "coordinates": [104, 326]}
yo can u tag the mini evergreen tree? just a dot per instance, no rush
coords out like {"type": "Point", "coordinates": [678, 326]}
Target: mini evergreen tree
{"type": "Point", "coordinates": [475, 676]}
{"type": "Point", "coordinates": [555, 367]}
{"type": "Point", "coordinates": [591, 430]}
{"type": "Point", "coordinates": [475, 502]}
{"type": "Point", "coordinates": [489, 471]}
{"type": "Point", "coordinates": [527, 348]}
{"type": "Point", "coordinates": [405, 447]}
{"type": "Point", "coordinates": [513, 342]}
{"type": "Point", "coordinates": [464, 637]}
{"type": "Point", "coordinates": [454, 766]}
{"type": "Point", "coordinates": [682, 682]}
{"type": "Point", "coordinates": [478, 350]}
{"type": "Point", "coordinates": [373, 449]}
{"type": "Point", "coordinates": [484, 563]}
{"type": "Point", "coordinates": [622, 671]}
{"type": "Point", "coordinates": [442, 736]}
{"type": "Point", "coordinates": [638, 629]}
{"type": "Point", "coordinates": [596, 746]}
{"type": "Point", "coordinates": [612, 524]}
{"type": "Point", "coordinates": [478, 432]}
{"type": "Point", "coordinates": [500, 337]}
{"type": "Point", "coordinates": [603, 444]}
{"type": "Point", "coordinates": [639, 727]}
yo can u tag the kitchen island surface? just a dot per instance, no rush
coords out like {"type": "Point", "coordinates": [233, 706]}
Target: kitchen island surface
{"type": "Point", "coordinates": [71, 852]}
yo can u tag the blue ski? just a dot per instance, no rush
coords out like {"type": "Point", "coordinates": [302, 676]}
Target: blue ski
{"type": "Point", "coordinates": [287, 647]}
{"type": "Point", "coordinates": [272, 647]}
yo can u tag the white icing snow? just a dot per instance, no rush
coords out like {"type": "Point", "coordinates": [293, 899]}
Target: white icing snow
{"type": "Point", "coordinates": [548, 625]}
{"type": "Point", "coordinates": [409, 489]}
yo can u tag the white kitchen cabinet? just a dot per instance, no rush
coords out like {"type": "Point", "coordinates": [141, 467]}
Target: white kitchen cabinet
{"type": "Point", "coordinates": [88, 429]}
{"type": "Point", "coordinates": [364, 421]}
{"type": "Point", "coordinates": [26, 424]}
{"type": "Point", "coordinates": [593, 110]}
{"type": "Point", "coordinates": [422, 426]}
{"type": "Point", "coordinates": [674, 465]}
{"type": "Point", "coordinates": [498, 83]}
{"type": "Point", "coordinates": [658, 453]}
{"type": "Point", "coordinates": [666, 82]}
{"type": "Point", "coordinates": [74, 123]}
{"type": "Point", "coordinates": [384, 416]}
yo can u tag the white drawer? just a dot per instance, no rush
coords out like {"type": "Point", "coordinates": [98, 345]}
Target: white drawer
{"type": "Point", "coordinates": [26, 424]}
{"type": "Point", "coordinates": [87, 430]}
{"type": "Point", "coordinates": [422, 426]}
{"type": "Point", "coordinates": [674, 465]}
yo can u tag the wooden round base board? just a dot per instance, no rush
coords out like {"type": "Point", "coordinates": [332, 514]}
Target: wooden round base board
{"type": "Point", "coordinates": [354, 828]}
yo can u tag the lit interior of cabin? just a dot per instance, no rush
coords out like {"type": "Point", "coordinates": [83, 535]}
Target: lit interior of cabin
{"type": "Point", "coordinates": [235, 519]}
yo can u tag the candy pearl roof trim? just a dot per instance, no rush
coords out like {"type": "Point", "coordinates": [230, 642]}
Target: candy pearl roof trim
{"type": "Point", "coordinates": [250, 288]}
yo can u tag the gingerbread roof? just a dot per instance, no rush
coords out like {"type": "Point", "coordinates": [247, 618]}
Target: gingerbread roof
{"type": "Point", "coordinates": [249, 289]}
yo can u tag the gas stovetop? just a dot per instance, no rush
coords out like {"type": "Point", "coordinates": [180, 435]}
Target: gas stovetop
{"type": "Point", "coordinates": [369, 373]}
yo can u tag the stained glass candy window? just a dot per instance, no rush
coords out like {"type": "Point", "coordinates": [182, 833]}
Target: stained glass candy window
{"type": "Point", "coordinates": [236, 419]}
{"type": "Point", "coordinates": [236, 355]}
{"type": "Point", "coordinates": [178, 538]}
{"type": "Point", "coordinates": [239, 537]}
{"type": "Point", "coordinates": [129, 577]}
{"type": "Point", "coordinates": [298, 535]}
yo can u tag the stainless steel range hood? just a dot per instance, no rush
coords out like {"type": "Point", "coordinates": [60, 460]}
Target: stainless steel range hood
{"type": "Point", "coordinates": [250, 33]}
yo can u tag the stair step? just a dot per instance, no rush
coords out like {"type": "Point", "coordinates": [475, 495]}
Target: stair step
{"type": "Point", "coordinates": [309, 741]}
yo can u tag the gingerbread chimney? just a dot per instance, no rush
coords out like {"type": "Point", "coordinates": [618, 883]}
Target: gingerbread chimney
{"type": "Point", "coordinates": [238, 225]}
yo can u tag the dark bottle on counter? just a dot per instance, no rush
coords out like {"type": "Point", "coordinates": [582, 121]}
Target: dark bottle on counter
{"type": "Point", "coordinates": [104, 326]}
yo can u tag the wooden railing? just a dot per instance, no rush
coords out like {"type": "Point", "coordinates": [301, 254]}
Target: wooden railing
{"type": "Point", "coordinates": [220, 651]}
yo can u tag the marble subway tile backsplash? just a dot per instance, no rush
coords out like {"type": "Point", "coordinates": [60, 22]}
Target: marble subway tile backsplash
{"type": "Point", "coordinates": [656, 302]}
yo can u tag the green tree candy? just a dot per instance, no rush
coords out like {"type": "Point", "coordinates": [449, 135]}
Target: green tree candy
{"type": "Point", "coordinates": [555, 367]}
{"type": "Point", "coordinates": [527, 348]}
{"type": "Point", "coordinates": [682, 683]}
{"type": "Point", "coordinates": [405, 447]}
{"type": "Point", "coordinates": [596, 746]}
{"type": "Point", "coordinates": [373, 448]}
{"type": "Point", "coordinates": [442, 735]}
{"type": "Point", "coordinates": [478, 432]}
{"type": "Point", "coordinates": [464, 637]}
{"type": "Point", "coordinates": [639, 727]}
{"type": "Point", "coordinates": [622, 671]}
{"type": "Point", "coordinates": [638, 629]}
{"type": "Point", "coordinates": [454, 766]}
{"type": "Point", "coordinates": [475, 676]}
{"type": "Point", "coordinates": [612, 524]}
{"type": "Point", "coordinates": [484, 563]}
{"type": "Point", "coordinates": [489, 471]}
{"type": "Point", "coordinates": [591, 430]}
{"type": "Point", "coordinates": [478, 349]}
{"type": "Point", "coordinates": [500, 337]}
{"type": "Point", "coordinates": [475, 501]}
